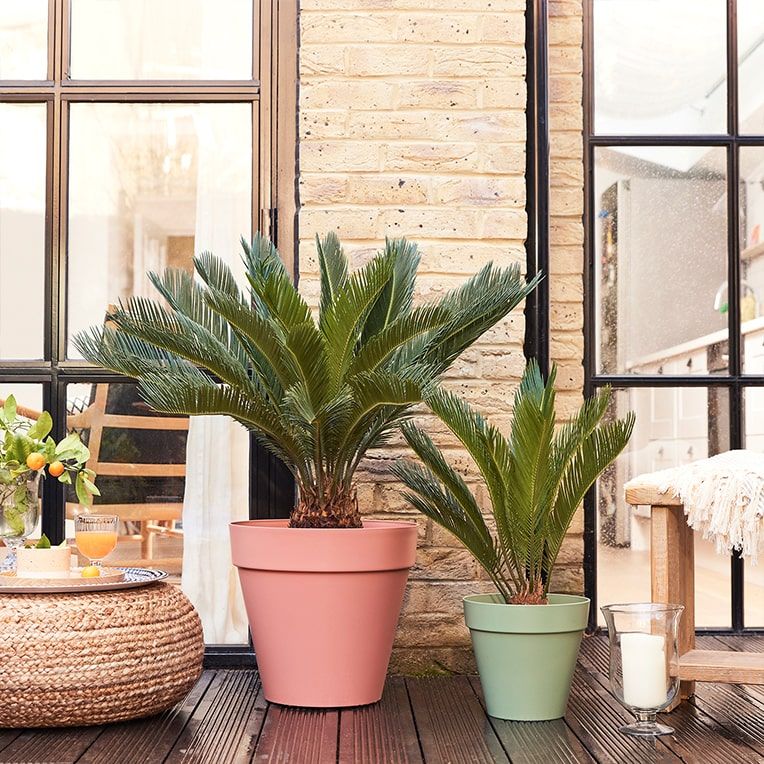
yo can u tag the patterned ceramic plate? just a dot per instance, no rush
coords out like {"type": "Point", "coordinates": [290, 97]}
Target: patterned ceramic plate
{"type": "Point", "coordinates": [132, 577]}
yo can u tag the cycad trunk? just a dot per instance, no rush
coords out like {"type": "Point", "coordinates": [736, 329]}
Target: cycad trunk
{"type": "Point", "coordinates": [339, 512]}
{"type": "Point", "coordinates": [531, 594]}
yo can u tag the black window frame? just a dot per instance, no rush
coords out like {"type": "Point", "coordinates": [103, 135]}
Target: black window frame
{"type": "Point", "coordinates": [735, 382]}
{"type": "Point", "coordinates": [271, 489]}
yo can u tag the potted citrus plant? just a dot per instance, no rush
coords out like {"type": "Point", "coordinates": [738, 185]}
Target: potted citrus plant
{"type": "Point", "coordinates": [323, 590]}
{"type": "Point", "coordinates": [27, 453]}
{"type": "Point", "coordinates": [525, 638]}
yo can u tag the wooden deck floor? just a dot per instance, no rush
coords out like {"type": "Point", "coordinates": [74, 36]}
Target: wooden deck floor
{"type": "Point", "coordinates": [419, 721]}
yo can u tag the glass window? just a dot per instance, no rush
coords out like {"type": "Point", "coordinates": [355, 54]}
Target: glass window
{"type": "Point", "coordinates": [660, 252]}
{"type": "Point", "coordinates": [752, 258]}
{"type": "Point", "coordinates": [753, 403]}
{"type": "Point", "coordinates": [22, 229]}
{"type": "Point", "coordinates": [675, 425]}
{"type": "Point", "coordinates": [24, 40]}
{"type": "Point", "coordinates": [161, 39]}
{"type": "Point", "coordinates": [750, 48]}
{"type": "Point", "coordinates": [150, 185]}
{"type": "Point", "coordinates": [175, 483]}
{"type": "Point", "coordinates": [660, 67]}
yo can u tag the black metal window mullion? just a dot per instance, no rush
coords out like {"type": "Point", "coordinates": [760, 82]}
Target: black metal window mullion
{"type": "Point", "coordinates": [735, 381]}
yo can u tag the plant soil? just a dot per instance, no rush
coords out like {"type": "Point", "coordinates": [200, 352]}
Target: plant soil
{"type": "Point", "coordinates": [343, 512]}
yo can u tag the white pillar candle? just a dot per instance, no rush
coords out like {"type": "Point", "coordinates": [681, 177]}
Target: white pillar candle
{"type": "Point", "coordinates": [645, 680]}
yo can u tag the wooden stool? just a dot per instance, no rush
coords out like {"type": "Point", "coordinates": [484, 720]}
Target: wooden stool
{"type": "Point", "coordinates": [672, 572]}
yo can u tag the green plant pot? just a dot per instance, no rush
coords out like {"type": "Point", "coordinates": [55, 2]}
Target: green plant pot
{"type": "Point", "coordinates": [526, 654]}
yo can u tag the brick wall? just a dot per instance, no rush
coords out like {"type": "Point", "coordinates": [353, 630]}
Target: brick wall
{"type": "Point", "coordinates": [412, 123]}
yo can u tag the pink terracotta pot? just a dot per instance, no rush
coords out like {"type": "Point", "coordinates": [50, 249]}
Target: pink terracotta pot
{"type": "Point", "coordinates": [323, 606]}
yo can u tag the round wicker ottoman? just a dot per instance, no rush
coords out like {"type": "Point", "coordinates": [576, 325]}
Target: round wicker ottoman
{"type": "Point", "coordinates": [76, 659]}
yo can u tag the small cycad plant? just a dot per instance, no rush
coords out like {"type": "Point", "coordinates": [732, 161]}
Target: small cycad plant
{"type": "Point", "coordinates": [536, 479]}
{"type": "Point", "coordinates": [318, 391]}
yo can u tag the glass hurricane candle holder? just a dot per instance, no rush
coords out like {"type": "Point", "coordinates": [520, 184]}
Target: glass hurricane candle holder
{"type": "Point", "coordinates": [644, 661]}
{"type": "Point", "coordinates": [19, 511]}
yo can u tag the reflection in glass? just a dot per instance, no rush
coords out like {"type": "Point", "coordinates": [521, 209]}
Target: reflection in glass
{"type": "Point", "coordinates": [660, 67]}
{"type": "Point", "coordinates": [174, 483]}
{"type": "Point", "coordinates": [750, 47]}
{"type": "Point", "coordinates": [752, 258]}
{"type": "Point", "coordinates": [161, 39]}
{"type": "Point", "coordinates": [753, 402]}
{"type": "Point", "coordinates": [674, 426]}
{"type": "Point", "coordinates": [150, 185]}
{"type": "Point", "coordinates": [24, 40]}
{"type": "Point", "coordinates": [22, 229]}
{"type": "Point", "coordinates": [660, 257]}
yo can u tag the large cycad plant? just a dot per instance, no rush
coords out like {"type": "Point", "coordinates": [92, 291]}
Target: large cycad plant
{"type": "Point", "coordinates": [318, 393]}
{"type": "Point", "coordinates": [536, 479]}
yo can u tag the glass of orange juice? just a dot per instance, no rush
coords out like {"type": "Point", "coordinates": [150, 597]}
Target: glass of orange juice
{"type": "Point", "coordinates": [96, 536]}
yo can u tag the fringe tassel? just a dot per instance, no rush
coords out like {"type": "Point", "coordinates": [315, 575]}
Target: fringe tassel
{"type": "Point", "coordinates": [723, 499]}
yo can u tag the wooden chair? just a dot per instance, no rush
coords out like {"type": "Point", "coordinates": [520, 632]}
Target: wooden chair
{"type": "Point", "coordinates": [152, 520]}
{"type": "Point", "coordinates": [672, 572]}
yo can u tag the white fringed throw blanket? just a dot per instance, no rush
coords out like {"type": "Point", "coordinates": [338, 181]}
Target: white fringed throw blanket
{"type": "Point", "coordinates": [723, 498]}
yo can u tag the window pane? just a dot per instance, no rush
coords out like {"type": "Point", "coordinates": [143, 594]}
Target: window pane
{"type": "Point", "coordinates": [674, 426]}
{"type": "Point", "coordinates": [752, 258]}
{"type": "Point", "coordinates": [660, 66]}
{"type": "Point", "coordinates": [175, 484]}
{"type": "Point", "coordinates": [22, 229]}
{"type": "Point", "coordinates": [150, 185]}
{"type": "Point", "coordinates": [660, 241]}
{"type": "Point", "coordinates": [750, 45]}
{"type": "Point", "coordinates": [161, 39]}
{"type": "Point", "coordinates": [754, 574]}
{"type": "Point", "coordinates": [29, 402]}
{"type": "Point", "coordinates": [24, 40]}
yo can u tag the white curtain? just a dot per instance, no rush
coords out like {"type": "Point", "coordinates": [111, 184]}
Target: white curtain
{"type": "Point", "coordinates": [217, 473]}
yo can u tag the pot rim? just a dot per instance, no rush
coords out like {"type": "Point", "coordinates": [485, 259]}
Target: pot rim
{"type": "Point", "coordinates": [573, 600]}
{"type": "Point", "coordinates": [370, 526]}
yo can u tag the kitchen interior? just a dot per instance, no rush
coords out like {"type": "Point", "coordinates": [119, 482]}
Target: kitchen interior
{"type": "Point", "coordinates": [661, 237]}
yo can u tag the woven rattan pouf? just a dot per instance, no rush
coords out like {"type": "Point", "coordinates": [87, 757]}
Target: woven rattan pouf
{"type": "Point", "coordinates": [78, 659]}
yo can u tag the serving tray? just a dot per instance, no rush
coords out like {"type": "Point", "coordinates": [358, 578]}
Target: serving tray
{"type": "Point", "coordinates": [120, 578]}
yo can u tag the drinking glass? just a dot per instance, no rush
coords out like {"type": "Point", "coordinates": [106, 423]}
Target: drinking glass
{"type": "Point", "coordinates": [19, 511]}
{"type": "Point", "coordinates": [96, 536]}
{"type": "Point", "coordinates": [644, 661]}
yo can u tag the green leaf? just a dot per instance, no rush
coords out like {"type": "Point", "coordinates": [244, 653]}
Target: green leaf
{"type": "Point", "coordinates": [41, 427]}
{"type": "Point", "coordinates": [43, 543]}
{"type": "Point", "coordinates": [9, 409]}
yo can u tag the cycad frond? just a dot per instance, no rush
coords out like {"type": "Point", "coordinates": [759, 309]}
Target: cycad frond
{"type": "Point", "coordinates": [536, 479]}
{"type": "Point", "coordinates": [318, 394]}
{"type": "Point", "coordinates": [333, 267]}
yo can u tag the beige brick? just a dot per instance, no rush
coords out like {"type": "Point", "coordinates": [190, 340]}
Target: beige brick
{"type": "Point", "coordinates": [437, 94]}
{"type": "Point", "coordinates": [422, 157]}
{"type": "Point", "coordinates": [386, 189]}
{"type": "Point", "coordinates": [339, 156]}
{"type": "Point", "coordinates": [566, 288]}
{"type": "Point", "coordinates": [479, 61]}
{"type": "Point", "coordinates": [504, 224]}
{"type": "Point", "coordinates": [322, 59]}
{"type": "Point", "coordinates": [506, 93]}
{"type": "Point", "coordinates": [387, 60]}
{"type": "Point", "coordinates": [346, 27]}
{"type": "Point", "coordinates": [347, 94]}
{"type": "Point", "coordinates": [323, 189]}
{"type": "Point", "coordinates": [502, 158]}
{"type": "Point", "coordinates": [480, 192]}
{"type": "Point", "coordinates": [436, 27]}
{"type": "Point", "coordinates": [442, 223]}
{"type": "Point", "coordinates": [566, 59]}
{"type": "Point", "coordinates": [324, 123]}
{"type": "Point", "coordinates": [504, 27]}
{"type": "Point", "coordinates": [565, 31]}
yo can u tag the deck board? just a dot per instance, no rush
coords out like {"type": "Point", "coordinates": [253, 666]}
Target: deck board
{"type": "Point", "coordinates": [451, 722]}
{"type": "Point", "coordinates": [429, 720]}
{"type": "Point", "coordinates": [532, 743]}
{"type": "Point", "coordinates": [384, 733]}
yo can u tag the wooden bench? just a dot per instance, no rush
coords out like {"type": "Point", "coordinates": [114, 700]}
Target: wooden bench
{"type": "Point", "coordinates": [672, 574]}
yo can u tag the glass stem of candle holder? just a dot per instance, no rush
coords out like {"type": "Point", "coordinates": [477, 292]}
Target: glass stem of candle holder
{"type": "Point", "coordinates": [646, 725]}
